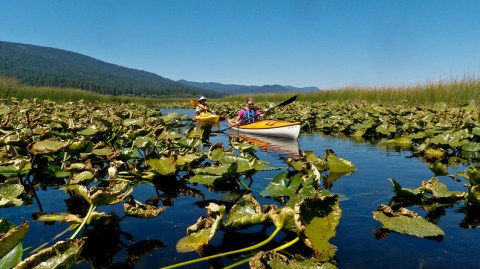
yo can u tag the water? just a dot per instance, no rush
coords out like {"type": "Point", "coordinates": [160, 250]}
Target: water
{"type": "Point", "coordinates": [139, 243]}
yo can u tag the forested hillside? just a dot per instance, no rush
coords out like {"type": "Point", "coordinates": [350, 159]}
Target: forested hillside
{"type": "Point", "coordinates": [43, 66]}
{"type": "Point", "coordinates": [244, 89]}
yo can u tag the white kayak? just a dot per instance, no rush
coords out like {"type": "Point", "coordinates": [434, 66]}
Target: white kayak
{"type": "Point", "coordinates": [274, 128]}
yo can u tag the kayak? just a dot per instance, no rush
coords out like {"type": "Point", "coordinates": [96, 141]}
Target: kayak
{"type": "Point", "coordinates": [274, 128]}
{"type": "Point", "coordinates": [207, 118]}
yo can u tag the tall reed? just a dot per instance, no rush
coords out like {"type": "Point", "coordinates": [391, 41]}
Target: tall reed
{"type": "Point", "coordinates": [454, 92]}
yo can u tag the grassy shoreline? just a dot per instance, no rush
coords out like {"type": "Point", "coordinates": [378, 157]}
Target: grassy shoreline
{"type": "Point", "coordinates": [454, 93]}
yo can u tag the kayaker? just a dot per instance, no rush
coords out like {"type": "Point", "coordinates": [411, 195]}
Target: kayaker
{"type": "Point", "coordinates": [202, 106]}
{"type": "Point", "coordinates": [249, 113]}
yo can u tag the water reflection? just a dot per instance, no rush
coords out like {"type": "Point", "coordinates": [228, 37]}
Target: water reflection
{"type": "Point", "coordinates": [275, 144]}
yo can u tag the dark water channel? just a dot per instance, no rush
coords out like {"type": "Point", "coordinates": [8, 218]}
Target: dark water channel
{"type": "Point", "coordinates": [139, 243]}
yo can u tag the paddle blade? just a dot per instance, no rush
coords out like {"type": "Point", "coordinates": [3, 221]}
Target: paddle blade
{"type": "Point", "coordinates": [286, 102]}
{"type": "Point", "coordinates": [193, 103]}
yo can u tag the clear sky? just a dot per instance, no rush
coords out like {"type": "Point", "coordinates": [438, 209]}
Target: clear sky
{"type": "Point", "coordinates": [327, 44]}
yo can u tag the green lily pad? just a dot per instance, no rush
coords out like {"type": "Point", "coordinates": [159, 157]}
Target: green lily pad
{"type": "Point", "coordinates": [204, 179]}
{"type": "Point", "coordinates": [19, 167]}
{"type": "Point", "coordinates": [9, 194]}
{"type": "Point", "coordinates": [281, 185]}
{"type": "Point", "coordinates": [91, 130]}
{"type": "Point", "coordinates": [472, 174]}
{"type": "Point", "coordinates": [10, 236]}
{"type": "Point", "coordinates": [81, 177]}
{"type": "Point", "coordinates": [133, 122]}
{"type": "Point", "coordinates": [47, 146]}
{"type": "Point", "coordinates": [78, 147]}
{"type": "Point", "coordinates": [13, 257]}
{"type": "Point", "coordinates": [247, 212]}
{"type": "Point", "coordinates": [165, 165]}
{"type": "Point", "coordinates": [476, 131]}
{"type": "Point", "coordinates": [405, 191]}
{"type": "Point", "coordinates": [143, 142]}
{"type": "Point", "coordinates": [473, 195]}
{"type": "Point", "coordinates": [105, 151]}
{"type": "Point", "coordinates": [338, 165]}
{"type": "Point", "coordinates": [406, 222]}
{"type": "Point", "coordinates": [471, 146]}
{"type": "Point", "coordinates": [438, 168]}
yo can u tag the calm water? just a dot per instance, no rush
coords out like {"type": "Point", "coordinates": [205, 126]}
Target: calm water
{"type": "Point", "coordinates": [139, 243]}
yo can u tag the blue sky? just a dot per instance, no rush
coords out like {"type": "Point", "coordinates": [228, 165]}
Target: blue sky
{"type": "Point", "coordinates": [327, 44]}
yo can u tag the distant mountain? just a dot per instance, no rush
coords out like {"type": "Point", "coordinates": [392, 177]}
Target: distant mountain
{"type": "Point", "coordinates": [238, 89]}
{"type": "Point", "coordinates": [44, 66]}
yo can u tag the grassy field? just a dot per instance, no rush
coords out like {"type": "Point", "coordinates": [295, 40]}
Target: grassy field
{"type": "Point", "coordinates": [455, 93]}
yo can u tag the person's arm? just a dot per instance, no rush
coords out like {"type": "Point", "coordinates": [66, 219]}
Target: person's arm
{"type": "Point", "coordinates": [261, 114]}
{"type": "Point", "coordinates": [240, 116]}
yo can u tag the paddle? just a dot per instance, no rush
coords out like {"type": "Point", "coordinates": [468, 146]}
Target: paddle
{"type": "Point", "coordinates": [284, 103]}
{"type": "Point", "coordinates": [193, 103]}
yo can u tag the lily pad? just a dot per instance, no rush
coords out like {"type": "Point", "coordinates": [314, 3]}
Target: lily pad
{"type": "Point", "coordinates": [440, 191]}
{"type": "Point", "coordinates": [165, 165]}
{"type": "Point", "coordinates": [199, 234]}
{"type": "Point", "coordinates": [338, 165]}
{"type": "Point", "coordinates": [137, 209]}
{"type": "Point", "coordinates": [399, 190]}
{"type": "Point", "coordinates": [317, 219]}
{"type": "Point", "coordinates": [47, 146]}
{"type": "Point", "coordinates": [279, 261]}
{"type": "Point", "coordinates": [10, 236]}
{"type": "Point", "coordinates": [91, 130]}
{"type": "Point", "coordinates": [105, 195]}
{"type": "Point", "coordinates": [62, 254]}
{"type": "Point", "coordinates": [9, 194]}
{"type": "Point", "coordinates": [406, 222]}
{"type": "Point", "coordinates": [247, 212]}
{"type": "Point", "coordinates": [282, 185]}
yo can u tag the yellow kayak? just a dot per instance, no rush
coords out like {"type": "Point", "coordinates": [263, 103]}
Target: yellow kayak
{"type": "Point", "coordinates": [274, 128]}
{"type": "Point", "coordinates": [207, 118]}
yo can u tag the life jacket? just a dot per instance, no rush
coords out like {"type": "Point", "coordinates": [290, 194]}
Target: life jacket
{"type": "Point", "coordinates": [249, 115]}
{"type": "Point", "coordinates": [202, 108]}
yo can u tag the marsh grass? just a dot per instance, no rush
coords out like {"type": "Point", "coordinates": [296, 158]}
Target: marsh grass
{"type": "Point", "coordinates": [455, 93]}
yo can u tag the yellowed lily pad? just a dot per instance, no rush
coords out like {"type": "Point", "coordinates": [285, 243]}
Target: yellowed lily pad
{"type": "Point", "coordinates": [200, 233]}
{"type": "Point", "coordinates": [317, 219]}
{"type": "Point", "coordinates": [105, 195]}
{"type": "Point", "coordinates": [60, 255]}
{"type": "Point", "coordinates": [137, 209]}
